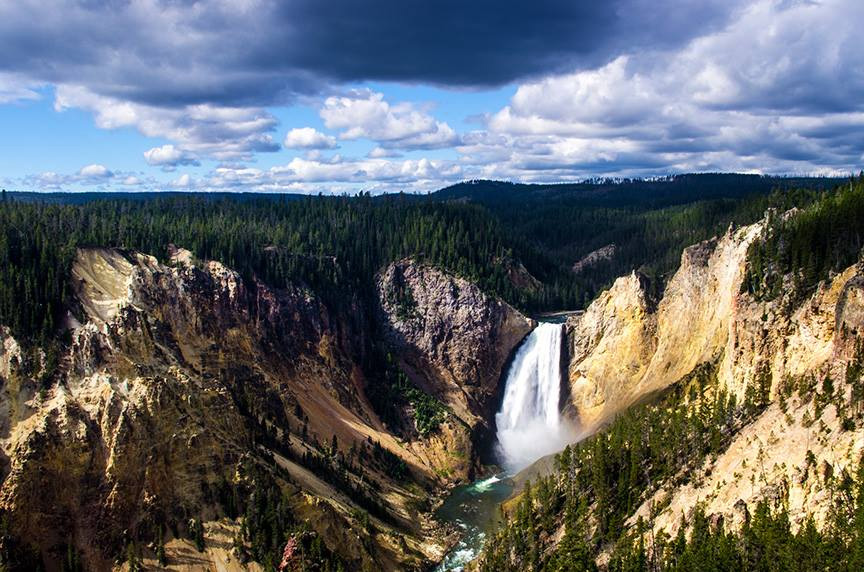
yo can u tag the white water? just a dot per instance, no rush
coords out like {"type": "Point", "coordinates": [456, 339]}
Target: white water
{"type": "Point", "coordinates": [529, 423]}
{"type": "Point", "coordinates": [486, 484]}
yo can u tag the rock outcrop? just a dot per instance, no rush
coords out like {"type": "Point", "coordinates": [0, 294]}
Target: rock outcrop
{"type": "Point", "coordinates": [800, 442]}
{"type": "Point", "coordinates": [626, 346]}
{"type": "Point", "coordinates": [594, 257]}
{"type": "Point", "coordinates": [454, 338]}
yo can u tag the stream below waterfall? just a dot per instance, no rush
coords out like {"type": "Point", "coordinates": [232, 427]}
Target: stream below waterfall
{"type": "Point", "coordinates": [474, 509]}
{"type": "Point", "coordinates": [529, 427]}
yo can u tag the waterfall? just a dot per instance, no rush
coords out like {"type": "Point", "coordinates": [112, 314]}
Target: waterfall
{"type": "Point", "coordinates": [529, 423]}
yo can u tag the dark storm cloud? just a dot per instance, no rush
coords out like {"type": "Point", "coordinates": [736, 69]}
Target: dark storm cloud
{"type": "Point", "coordinates": [483, 42]}
{"type": "Point", "coordinates": [262, 52]}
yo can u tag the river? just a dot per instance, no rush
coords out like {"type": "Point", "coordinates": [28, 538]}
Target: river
{"type": "Point", "coordinates": [474, 509]}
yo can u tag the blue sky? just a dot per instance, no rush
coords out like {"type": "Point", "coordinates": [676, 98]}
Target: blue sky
{"type": "Point", "coordinates": [306, 96]}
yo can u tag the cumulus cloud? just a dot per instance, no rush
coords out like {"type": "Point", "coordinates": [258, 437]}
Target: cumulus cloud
{"type": "Point", "coordinates": [261, 52]}
{"type": "Point", "coordinates": [308, 138]}
{"type": "Point", "coordinates": [169, 157]}
{"type": "Point", "coordinates": [89, 177]}
{"type": "Point", "coordinates": [201, 74]}
{"type": "Point", "coordinates": [408, 171]}
{"type": "Point", "coordinates": [95, 171]}
{"type": "Point", "coordinates": [14, 87]}
{"type": "Point", "coordinates": [301, 174]}
{"type": "Point", "coordinates": [382, 153]}
{"type": "Point", "coordinates": [132, 181]}
{"type": "Point", "coordinates": [629, 87]}
{"type": "Point", "coordinates": [366, 114]}
{"type": "Point", "coordinates": [334, 174]}
{"type": "Point", "coordinates": [184, 181]}
{"type": "Point", "coordinates": [201, 129]}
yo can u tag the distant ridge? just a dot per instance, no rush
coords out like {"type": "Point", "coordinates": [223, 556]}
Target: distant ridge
{"type": "Point", "coordinates": [649, 192]}
{"type": "Point", "coordinates": [619, 192]}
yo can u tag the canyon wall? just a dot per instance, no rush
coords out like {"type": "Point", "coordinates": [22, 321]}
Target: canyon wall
{"type": "Point", "coordinates": [626, 348]}
{"type": "Point", "coordinates": [181, 380]}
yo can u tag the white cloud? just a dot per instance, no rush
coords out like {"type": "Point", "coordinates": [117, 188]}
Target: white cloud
{"type": "Point", "coordinates": [169, 157]}
{"type": "Point", "coordinates": [364, 171]}
{"type": "Point", "coordinates": [89, 177]}
{"type": "Point", "coordinates": [776, 87]}
{"type": "Point", "coordinates": [365, 114]}
{"type": "Point", "coordinates": [308, 138]}
{"type": "Point", "coordinates": [382, 153]}
{"type": "Point", "coordinates": [204, 130]}
{"type": "Point", "coordinates": [780, 89]}
{"type": "Point", "coordinates": [95, 171]}
{"type": "Point", "coordinates": [334, 174]}
{"type": "Point", "coordinates": [15, 88]}
{"type": "Point", "coordinates": [184, 181]}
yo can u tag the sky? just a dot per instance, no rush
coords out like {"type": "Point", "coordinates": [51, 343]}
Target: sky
{"type": "Point", "coordinates": [340, 96]}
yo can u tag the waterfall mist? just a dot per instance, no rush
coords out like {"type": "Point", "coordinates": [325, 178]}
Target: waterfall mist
{"type": "Point", "coordinates": [529, 423]}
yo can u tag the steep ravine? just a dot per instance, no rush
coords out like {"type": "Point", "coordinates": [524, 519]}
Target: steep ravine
{"type": "Point", "coordinates": [183, 386]}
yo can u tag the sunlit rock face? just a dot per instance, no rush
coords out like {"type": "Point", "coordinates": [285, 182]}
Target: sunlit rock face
{"type": "Point", "coordinates": [626, 346]}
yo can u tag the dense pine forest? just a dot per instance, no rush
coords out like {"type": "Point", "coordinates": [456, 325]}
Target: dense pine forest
{"type": "Point", "coordinates": [334, 246]}
{"type": "Point", "coordinates": [647, 223]}
{"type": "Point", "coordinates": [809, 246]}
{"type": "Point", "coordinates": [484, 231]}
{"type": "Point", "coordinates": [522, 244]}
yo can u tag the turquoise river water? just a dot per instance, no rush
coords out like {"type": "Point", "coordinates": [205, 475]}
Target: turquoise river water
{"type": "Point", "coordinates": [474, 509]}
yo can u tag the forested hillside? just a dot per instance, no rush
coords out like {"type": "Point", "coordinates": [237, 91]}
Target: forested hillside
{"type": "Point", "coordinates": [809, 246]}
{"type": "Point", "coordinates": [484, 231]}
{"type": "Point", "coordinates": [648, 222]}
{"type": "Point", "coordinates": [598, 484]}
{"type": "Point", "coordinates": [376, 308]}
{"type": "Point", "coordinates": [332, 245]}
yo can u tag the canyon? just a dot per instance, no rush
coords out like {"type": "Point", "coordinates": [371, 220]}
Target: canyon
{"type": "Point", "coordinates": [183, 392]}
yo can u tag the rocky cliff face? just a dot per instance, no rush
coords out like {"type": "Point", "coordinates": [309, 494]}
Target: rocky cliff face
{"type": "Point", "coordinates": [625, 347]}
{"type": "Point", "coordinates": [454, 338]}
{"type": "Point", "coordinates": [184, 381]}
{"type": "Point", "coordinates": [803, 443]}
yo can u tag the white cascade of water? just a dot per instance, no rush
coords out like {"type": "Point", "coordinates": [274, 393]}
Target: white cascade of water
{"type": "Point", "coordinates": [529, 423]}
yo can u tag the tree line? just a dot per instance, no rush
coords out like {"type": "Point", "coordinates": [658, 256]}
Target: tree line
{"type": "Point", "coordinates": [335, 245]}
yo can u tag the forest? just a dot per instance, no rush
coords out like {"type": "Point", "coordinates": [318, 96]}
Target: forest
{"type": "Point", "coordinates": [809, 246]}
{"type": "Point", "coordinates": [649, 222]}
{"type": "Point", "coordinates": [483, 231]}
{"type": "Point", "coordinates": [517, 242]}
{"type": "Point", "coordinates": [598, 484]}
